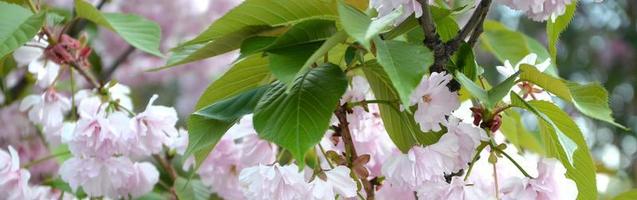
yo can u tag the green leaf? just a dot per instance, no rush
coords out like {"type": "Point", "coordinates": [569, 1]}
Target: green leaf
{"type": "Point", "coordinates": [255, 44]}
{"type": "Point", "coordinates": [325, 48]}
{"type": "Point", "coordinates": [400, 126]}
{"type": "Point", "coordinates": [549, 83]}
{"type": "Point", "coordinates": [515, 132]}
{"type": "Point", "coordinates": [292, 50]}
{"type": "Point", "coordinates": [266, 13]}
{"type": "Point", "coordinates": [464, 60]}
{"type": "Point", "coordinates": [191, 53]}
{"type": "Point", "coordinates": [17, 26]}
{"type": "Point", "coordinates": [192, 189]}
{"type": "Point", "coordinates": [247, 73]}
{"type": "Point", "coordinates": [472, 87]}
{"type": "Point", "coordinates": [287, 62]}
{"type": "Point", "coordinates": [510, 45]}
{"type": "Point", "coordinates": [137, 31]}
{"type": "Point", "coordinates": [628, 195]}
{"type": "Point", "coordinates": [592, 101]}
{"type": "Point", "coordinates": [499, 91]}
{"type": "Point", "coordinates": [405, 64]}
{"type": "Point", "coordinates": [360, 26]}
{"type": "Point", "coordinates": [555, 28]}
{"type": "Point", "coordinates": [306, 32]}
{"type": "Point", "coordinates": [208, 125]}
{"type": "Point", "coordinates": [554, 127]}
{"type": "Point", "coordinates": [582, 169]}
{"type": "Point", "coordinates": [203, 135]}
{"type": "Point", "coordinates": [233, 108]}
{"type": "Point", "coordinates": [297, 120]}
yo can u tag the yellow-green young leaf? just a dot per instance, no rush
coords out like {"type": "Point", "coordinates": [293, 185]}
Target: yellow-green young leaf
{"type": "Point", "coordinates": [400, 126]}
{"type": "Point", "coordinates": [549, 83]}
{"type": "Point", "coordinates": [404, 63]}
{"type": "Point", "coordinates": [582, 169]}
{"type": "Point", "coordinates": [592, 101]}
{"type": "Point", "coordinates": [137, 31]}
{"type": "Point", "coordinates": [471, 87]}
{"type": "Point", "coordinates": [191, 53]}
{"type": "Point", "coordinates": [17, 26]}
{"type": "Point", "coordinates": [499, 91]}
{"type": "Point", "coordinates": [555, 28]}
{"type": "Point", "coordinates": [555, 128]}
{"type": "Point", "coordinates": [510, 45]}
{"type": "Point", "coordinates": [309, 31]}
{"type": "Point", "coordinates": [515, 132]}
{"type": "Point", "coordinates": [267, 13]}
{"type": "Point", "coordinates": [628, 195]}
{"type": "Point", "coordinates": [247, 73]}
{"type": "Point", "coordinates": [297, 119]}
{"type": "Point", "coordinates": [360, 26]}
{"type": "Point", "coordinates": [207, 125]}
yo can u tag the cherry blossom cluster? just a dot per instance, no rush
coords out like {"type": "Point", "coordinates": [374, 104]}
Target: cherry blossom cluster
{"type": "Point", "coordinates": [103, 135]}
{"type": "Point", "coordinates": [15, 180]}
{"type": "Point", "coordinates": [538, 10]}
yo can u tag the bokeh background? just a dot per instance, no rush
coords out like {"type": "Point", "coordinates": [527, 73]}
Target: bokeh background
{"type": "Point", "coordinates": [599, 45]}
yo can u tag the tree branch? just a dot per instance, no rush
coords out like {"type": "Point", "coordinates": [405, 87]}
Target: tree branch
{"type": "Point", "coordinates": [350, 149]}
{"type": "Point", "coordinates": [106, 75]}
{"type": "Point", "coordinates": [474, 25]}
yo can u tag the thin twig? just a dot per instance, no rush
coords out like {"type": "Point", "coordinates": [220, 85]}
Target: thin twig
{"type": "Point", "coordinates": [474, 23]}
{"type": "Point", "coordinates": [120, 59]}
{"type": "Point", "coordinates": [513, 161]}
{"type": "Point", "coordinates": [169, 168]}
{"type": "Point", "coordinates": [40, 160]}
{"type": "Point", "coordinates": [89, 78]}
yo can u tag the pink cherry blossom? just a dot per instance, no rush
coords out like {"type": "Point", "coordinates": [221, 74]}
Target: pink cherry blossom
{"type": "Point", "coordinates": [273, 182]}
{"type": "Point", "coordinates": [392, 191]}
{"type": "Point", "coordinates": [539, 10]}
{"type": "Point", "coordinates": [97, 134]}
{"type": "Point", "coordinates": [550, 184]}
{"type": "Point", "coordinates": [458, 144]}
{"type": "Point", "coordinates": [153, 128]}
{"type": "Point", "coordinates": [14, 181]}
{"type": "Point", "coordinates": [409, 8]}
{"type": "Point", "coordinates": [337, 181]}
{"type": "Point", "coordinates": [220, 170]}
{"type": "Point", "coordinates": [14, 124]}
{"type": "Point", "coordinates": [114, 177]}
{"type": "Point", "coordinates": [434, 100]}
{"type": "Point", "coordinates": [457, 189]}
{"type": "Point", "coordinates": [47, 109]}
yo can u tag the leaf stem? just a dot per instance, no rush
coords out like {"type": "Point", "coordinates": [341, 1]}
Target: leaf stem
{"type": "Point", "coordinates": [166, 165]}
{"type": "Point", "coordinates": [513, 161]}
{"type": "Point", "coordinates": [40, 160]}
{"type": "Point", "coordinates": [32, 6]}
{"type": "Point", "coordinates": [325, 155]}
{"type": "Point", "coordinates": [89, 78]}
{"type": "Point", "coordinates": [475, 158]}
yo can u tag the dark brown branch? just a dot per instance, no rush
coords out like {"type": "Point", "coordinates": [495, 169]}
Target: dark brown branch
{"type": "Point", "coordinates": [350, 149]}
{"type": "Point", "coordinates": [432, 39]}
{"type": "Point", "coordinates": [166, 165]}
{"type": "Point", "coordinates": [474, 25]}
{"type": "Point", "coordinates": [106, 75]}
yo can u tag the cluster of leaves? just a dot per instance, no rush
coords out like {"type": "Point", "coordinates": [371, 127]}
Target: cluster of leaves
{"type": "Point", "coordinates": [296, 57]}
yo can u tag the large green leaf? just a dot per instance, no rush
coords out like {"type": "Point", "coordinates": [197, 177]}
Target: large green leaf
{"type": "Point", "coordinates": [196, 52]}
{"type": "Point", "coordinates": [207, 126]}
{"type": "Point", "coordinates": [285, 63]}
{"type": "Point", "coordinates": [405, 64]}
{"type": "Point", "coordinates": [513, 129]}
{"type": "Point", "coordinates": [360, 26]}
{"type": "Point", "coordinates": [137, 31]}
{"type": "Point", "coordinates": [246, 74]}
{"type": "Point", "coordinates": [489, 98]}
{"type": "Point", "coordinates": [549, 83]}
{"type": "Point", "coordinates": [590, 99]}
{"type": "Point", "coordinates": [290, 52]}
{"type": "Point", "coordinates": [582, 169]}
{"type": "Point", "coordinates": [510, 45]}
{"type": "Point", "coordinates": [556, 127]}
{"type": "Point", "coordinates": [400, 125]}
{"type": "Point", "coordinates": [17, 26]}
{"type": "Point", "coordinates": [501, 90]}
{"type": "Point", "coordinates": [555, 28]}
{"type": "Point", "coordinates": [297, 120]}
{"type": "Point", "coordinates": [267, 13]}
